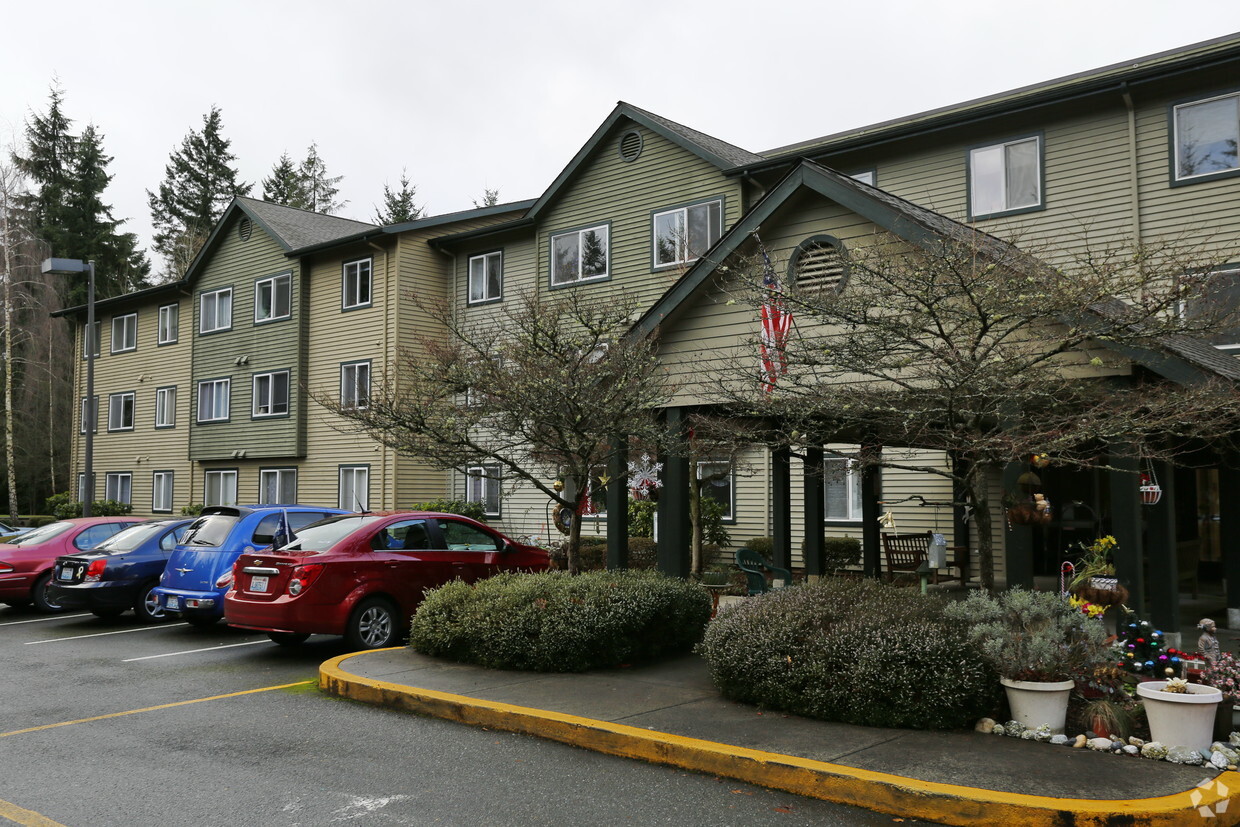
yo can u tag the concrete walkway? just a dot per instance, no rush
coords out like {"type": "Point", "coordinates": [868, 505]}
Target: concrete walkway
{"type": "Point", "coordinates": [670, 713]}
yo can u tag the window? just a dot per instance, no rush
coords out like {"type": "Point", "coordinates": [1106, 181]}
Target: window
{"type": "Point", "coordinates": [1207, 134]}
{"type": "Point", "coordinates": [216, 311]}
{"type": "Point", "coordinates": [579, 256]}
{"type": "Point", "coordinates": [82, 493]}
{"type": "Point", "coordinates": [213, 400]}
{"type": "Point", "coordinates": [220, 488]}
{"type": "Point", "coordinates": [120, 412]}
{"type": "Point", "coordinates": [683, 234]}
{"type": "Point", "coordinates": [1217, 296]}
{"type": "Point", "coordinates": [1005, 177]}
{"type": "Point", "coordinates": [124, 333]}
{"type": "Point", "coordinates": [165, 407]}
{"type": "Point", "coordinates": [355, 487]}
{"type": "Point", "coordinates": [482, 486]}
{"type": "Point", "coordinates": [486, 278]}
{"type": "Point", "coordinates": [818, 262]}
{"type": "Point", "coordinates": [90, 414]}
{"type": "Point", "coordinates": [355, 385]}
{"type": "Point", "coordinates": [842, 488]}
{"type": "Point", "coordinates": [595, 502]}
{"type": "Point", "coordinates": [356, 284]}
{"type": "Point", "coordinates": [168, 324]}
{"type": "Point", "coordinates": [118, 487]}
{"type": "Point", "coordinates": [91, 341]}
{"type": "Point", "coordinates": [271, 394]}
{"type": "Point", "coordinates": [273, 298]}
{"type": "Point", "coordinates": [277, 485]}
{"type": "Point", "coordinates": [161, 491]}
{"type": "Point", "coordinates": [715, 483]}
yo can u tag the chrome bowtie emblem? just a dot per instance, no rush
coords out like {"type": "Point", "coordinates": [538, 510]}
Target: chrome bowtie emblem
{"type": "Point", "coordinates": [258, 562]}
{"type": "Point", "coordinates": [185, 571]}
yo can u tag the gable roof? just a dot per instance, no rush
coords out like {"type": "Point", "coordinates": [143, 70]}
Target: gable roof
{"type": "Point", "coordinates": [1181, 358]}
{"type": "Point", "coordinates": [295, 229]}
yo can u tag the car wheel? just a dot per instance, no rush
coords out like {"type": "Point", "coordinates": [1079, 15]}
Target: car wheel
{"type": "Point", "coordinates": [287, 638]}
{"type": "Point", "coordinates": [109, 612]}
{"type": "Point", "coordinates": [147, 607]}
{"type": "Point", "coordinates": [200, 620]}
{"type": "Point", "coordinates": [374, 624]}
{"type": "Point", "coordinates": [41, 596]}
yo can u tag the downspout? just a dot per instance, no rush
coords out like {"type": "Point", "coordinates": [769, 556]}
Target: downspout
{"type": "Point", "coordinates": [1134, 184]}
{"type": "Point", "coordinates": [388, 311]}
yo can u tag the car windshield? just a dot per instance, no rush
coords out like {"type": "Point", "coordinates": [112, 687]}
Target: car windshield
{"type": "Point", "coordinates": [41, 534]}
{"type": "Point", "coordinates": [130, 538]}
{"type": "Point", "coordinates": [211, 530]}
{"type": "Point", "coordinates": [326, 533]}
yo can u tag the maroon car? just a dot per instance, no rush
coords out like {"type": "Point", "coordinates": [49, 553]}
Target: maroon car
{"type": "Point", "coordinates": [26, 561]}
{"type": "Point", "coordinates": [362, 575]}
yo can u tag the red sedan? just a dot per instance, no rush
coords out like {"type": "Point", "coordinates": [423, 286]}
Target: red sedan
{"type": "Point", "coordinates": [362, 576]}
{"type": "Point", "coordinates": [26, 561]}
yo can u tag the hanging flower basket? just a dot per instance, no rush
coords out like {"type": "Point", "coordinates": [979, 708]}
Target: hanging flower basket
{"type": "Point", "coordinates": [1108, 593]}
{"type": "Point", "coordinates": [1150, 494]}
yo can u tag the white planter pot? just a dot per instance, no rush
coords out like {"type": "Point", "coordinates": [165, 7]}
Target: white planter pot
{"type": "Point", "coordinates": [1035, 703]}
{"type": "Point", "coordinates": [1181, 719]}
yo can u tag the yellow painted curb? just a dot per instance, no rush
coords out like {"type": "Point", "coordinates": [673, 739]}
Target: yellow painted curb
{"type": "Point", "coordinates": [881, 792]}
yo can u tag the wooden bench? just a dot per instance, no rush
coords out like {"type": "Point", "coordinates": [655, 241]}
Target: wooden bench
{"type": "Point", "coordinates": [905, 553]}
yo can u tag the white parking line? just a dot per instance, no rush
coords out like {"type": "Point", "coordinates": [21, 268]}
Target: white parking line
{"type": "Point", "coordinates": [102, 634]}
{"type": "Point", "coordinates": [195, 651]}
{"type": "Point", "coordinates": [41, 619]}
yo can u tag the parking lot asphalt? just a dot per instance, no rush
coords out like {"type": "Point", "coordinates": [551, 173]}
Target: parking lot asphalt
{"type": "Point", "coordinates": [670, 713]}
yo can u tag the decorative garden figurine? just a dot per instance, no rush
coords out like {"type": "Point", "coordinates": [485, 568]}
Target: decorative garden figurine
{"type": "Point", "coordinates": [1207, 644]}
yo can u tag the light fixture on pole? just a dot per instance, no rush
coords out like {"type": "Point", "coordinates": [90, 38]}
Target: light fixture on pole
{"type": "Point", "coordinates": [69, 267]}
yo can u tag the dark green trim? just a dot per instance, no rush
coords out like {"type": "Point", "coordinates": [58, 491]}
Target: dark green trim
{"type": "Point", "coordinates": [125, 473]}
{"type": "Point", "coordinates": [641, 145]}
{"type": "Point", "coordinates": [112, 335]}
{"type": "Point", "coordinates": [231, 307]}
{"type": "Point", "coordinates": [1173, 156]}
{"type": "Point", "coordinates": [360, 305]}
{"type": "Point", "coordinates": [655, 267]}
{"type": "Point", "coordinates": [197, 398]}
{"type": "Point", "coordinates": [551, 237]}
{"type": "Point", "coordinates": [469, 274]}
{"type": "Point", "coordinates": [234, 470]}
{"type": "Point", "coordinates": [137, 296]}
{"type": "Point", "coordinates": [265, 417]}
{"type": "Point", "coordinates": [494, 233]}
{"type": "Point", "coordinates": [1040, 137]}
{"type": "Point", "coordinates": [158, 314]}
{"type": "Point", "coordinates": [462, 215]}
{"type": "Point", "coordinates": [82, 417]}
{"type": "Point", "coordinates": [133, 423]}
{"type": "Point", "coordinates": [155, 408]}
{"type": "Point", "coordinates": [291, 312]}
{"type": "Point", "coordinates": [369, 363]}
{"type": "Point", "coordinates": [171, 491]}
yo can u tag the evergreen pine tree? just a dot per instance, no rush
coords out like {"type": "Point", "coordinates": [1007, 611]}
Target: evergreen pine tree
{"type": "Point", "coordinates": [398, 207]}
{"type": "Point", "coordinates": [318, 187]}
{"type": "Point", "coordinates": [47, 164]}
{"type": "Point", "coordinates": [285, 185]}
{"type": "Point", "coordinates": [199, 182]}
{"type": "Point", "coordinates": [490, 197]}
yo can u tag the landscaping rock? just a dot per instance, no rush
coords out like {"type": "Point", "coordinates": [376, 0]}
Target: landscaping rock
{"type": "Point", "coordinates": [1218, 761]}
{"type": "Point", "coordinates": [985, 725]}
{"type": "Point", "coordinates": [998, 730]}
{"type": "Point", "coordinates": [1079, 743]}
{"type": "Point", "coordinates": [1154, 751]}
{"type": "Point", "coordinates": [1117, 745]}
{"type": "Point", "coordinates": [1028, 735]}
{"type": "Point", "coordinates": [1014, 728]}
{"type": "Point", "coordinates": [1042, 734]}
{"type": "Point", "coordinates": [1136, 742]}
{"type": "Point", "coordinates": [1184, 755]}
{"type": "Point", "coordinates": [1059, 739]}
{"type": "Point", "coordinates": [1132, 749]}
{"type": "Point", "coordinates": [1100, 744]}
{"type": "Point", "coordinates": [1234, 739]}
{"type": "Point", "coordinates": [1230, 753]}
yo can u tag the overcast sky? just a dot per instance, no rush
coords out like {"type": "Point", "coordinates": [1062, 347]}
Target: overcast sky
{"type": "Point", "coordinates": [471, 95]}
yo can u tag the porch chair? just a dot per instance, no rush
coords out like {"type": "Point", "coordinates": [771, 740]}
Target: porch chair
{"type": "Point", "coordinates": [904, 553]}
{"type": "Point", "coordinates": [755, 567]}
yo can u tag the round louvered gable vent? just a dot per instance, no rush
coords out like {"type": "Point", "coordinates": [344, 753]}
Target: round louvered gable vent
{"type": "Point", "coordinates": [245, 229]}
{"type": "Point", "coordinates": [630, 145]}
{"type": "Point", "coordinates": [819, 264]}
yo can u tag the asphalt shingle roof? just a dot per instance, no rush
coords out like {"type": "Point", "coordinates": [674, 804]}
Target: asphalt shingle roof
{"type": "Point", "coordinates": [730, 153]}
{"type": "Point", "coordinates": [295, 229]}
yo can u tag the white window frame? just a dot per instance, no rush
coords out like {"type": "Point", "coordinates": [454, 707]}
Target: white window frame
{"type": "Point", "coordinates": [1175, 151]}
{"type": "Point", "coordinates": [120, 404]}
{"type": "Point", "coordinates": [355, 274]}
{"type": "Point", "coordinates": [169, 324]}
{"type": "Point", "coordinates": [351, 476]}
{"type": "Point", "coordinates": [683, 254]}
{"type": "Point", "coordinates": [487, 264]}
{"type": "Point", "coordinates": [124, 333]}
{"type": "Point", "coordinates": [83, 414]}
{"type": "Point", "coordinates": [119, 483]}
{"type": "Point", "coordinates": [599, 229]}
{"type": "Point", "coordinates": [263, 398]}
{"type": "Point", "coordinates": [355, 385]}
{"type": "Point", "coordinates": [852, 485]}
{"type": "Point", "coordinates": [1234, 271]}
{"type": "Point", "coordinates": [483, 485]}
{"type": "Point", "coordinates": [166, 407]}
{"type": "Point", "coordinates": [278, 286]}
{"type": "Point", "coordinates": [161, 490]}
{"type": "Point", "coordinates": [730, 513]}
{"type": "Point", "coordinates": [220, 315]}
{"type": "Point", "coordinates": [1003, 148]}
{"type": "Point", "coordinates": [87, 340]}
{"type": "Point", "coordinates": [280, 478]}
{"type": "Point", "coordinates": [216, 389]}
{"type": "Point", "coordinates": [225, 482]}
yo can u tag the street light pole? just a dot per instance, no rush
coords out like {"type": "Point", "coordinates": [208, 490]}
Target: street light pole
{"type": "Point", "coordinates": [69, 266]}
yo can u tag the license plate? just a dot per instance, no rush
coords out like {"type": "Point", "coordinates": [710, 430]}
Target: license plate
{"type": "Point", "coordinates": [258, 584]}
{"type": "Point", "coordinates": [174, 603]}
{"type": "Point", "coordinates": [67, 573]}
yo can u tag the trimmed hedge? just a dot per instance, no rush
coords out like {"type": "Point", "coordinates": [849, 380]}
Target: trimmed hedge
{"type": "Point", "coordinates": [592, 554]}
{"type": "Point", "coordinates": [855, 651]}
{"type": "Point", "coordinates": [556, 622]}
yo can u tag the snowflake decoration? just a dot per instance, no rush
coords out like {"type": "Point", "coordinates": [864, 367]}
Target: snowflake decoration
{"type": "Point", "coordinates": [644, 476]}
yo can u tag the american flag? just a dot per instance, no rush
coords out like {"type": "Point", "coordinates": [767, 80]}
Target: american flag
{"type": "Point", "coordinates": [284, 532]}
{"type": "Point", "coordinates": [776, 321]}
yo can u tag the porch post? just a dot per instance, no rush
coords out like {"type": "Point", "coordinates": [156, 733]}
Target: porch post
{"type": "Point", "coordinates": [618, 505]}
{"type": "Point", "coordinates": [1163, 560]}
{"type": "Point", "coordinates": [673, 509]}
{"type": "Point", "coordinates": [871, 493]}
{"type": "Point", "coordinates": [960, 522]}
{"type": "Point", "coordinates": [1017, 539]}
{"type": "Point", "coordinates": [815, 511]}
{"type": "Point", "coordinates": [1229, 534]}
{"type": "Point", "coordinates": [1126, 524]}
{"type": "Point", "coordinates": [781, 506]}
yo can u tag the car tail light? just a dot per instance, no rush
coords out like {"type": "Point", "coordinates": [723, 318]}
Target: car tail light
{"type": "Point", "coordinates": [5, 568]}
{"type": "Point", "coordinates": [302, 577]}
{"type": "Point", "coordinates": [226, 580]}
{"type": "Point", "coordinates": [95, 570]}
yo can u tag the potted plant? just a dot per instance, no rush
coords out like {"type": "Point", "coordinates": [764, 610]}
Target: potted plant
{"type": "Point", "coordinates": [1095, 580]}
{"type": "Point", "coordinates": [1180, 713]}
{"type": "Point", "coordinates": [1038, 644]}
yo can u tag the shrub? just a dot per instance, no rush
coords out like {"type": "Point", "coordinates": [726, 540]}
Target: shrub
{"type": "Point", "coordinates": [465, 509]}
{"type": "Point", "coordinates": [855, 651]}
{"type": "Point", "coordinates": [556, 622]}
{"type": "Point", "coordinates": [592, 554]}
{"type": "Point", "coordinates": [63, 506]}
{"type": "Point", "coordinates": [762, 545]}
{"type": "Point", "coordinates": [192, 510]}
{"type": "Point", "coordinates": [838, 552]}
{"type": "Point", "coordinates": [641, 517]}
{"type": "Point", "coordinates": [713, 530]}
